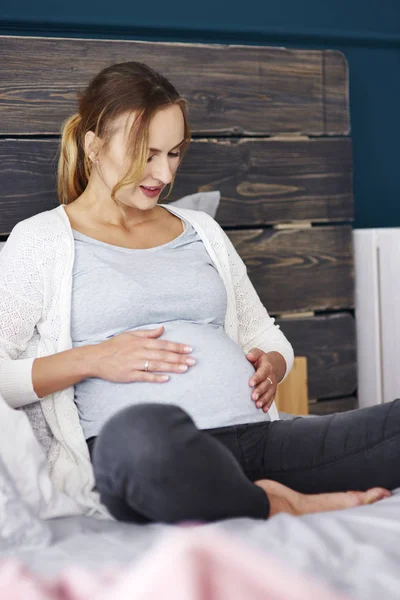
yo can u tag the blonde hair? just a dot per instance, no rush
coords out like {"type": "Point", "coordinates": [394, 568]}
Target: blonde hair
{"type": "Point", "coordinates": [116, 90]}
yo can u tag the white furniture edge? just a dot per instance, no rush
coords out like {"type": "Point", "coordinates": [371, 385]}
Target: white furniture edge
{"type": "Point", "coordinates": [368, 326]}
{"type": "Point", "coordinates": [377, 293]}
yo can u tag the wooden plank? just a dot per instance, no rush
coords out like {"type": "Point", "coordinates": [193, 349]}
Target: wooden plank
{"type": "Point", "coordinates": [296, 270]}
{"type": "Point", "coordinates": [27, 180]}
{"type": "Point", "coordinates": [230, 89]}
{"type": "Point", "coordinates": [261, 181]}
{"type": "Point", "coordinates": [271, 181]}
{"type": "Point", "coordinates": [329, 344]}
{"type": "Point", "coordinates": [336, 105]}
{"type": "Point", "coordinates": [328, 407]}
{"type": "Point", "coordinates": [292, 394]}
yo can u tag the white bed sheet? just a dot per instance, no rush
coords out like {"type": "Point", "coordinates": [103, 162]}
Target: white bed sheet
{"type": "Point", "coordinates": [356, 551]}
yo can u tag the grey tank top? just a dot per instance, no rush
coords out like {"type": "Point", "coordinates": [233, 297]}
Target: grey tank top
{"type": "Point", "coordinates": [176, 284]}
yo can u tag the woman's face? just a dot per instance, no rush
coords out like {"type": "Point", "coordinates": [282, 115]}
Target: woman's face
{"type": "Point", "coordinates": [166, 132]}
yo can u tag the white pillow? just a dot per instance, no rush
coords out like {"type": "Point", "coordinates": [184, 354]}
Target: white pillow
{"type": "Point", "coordinates": [19, 526]}
{"type": "Point", "coordinates": [207, 202]}
{"type": "Point", "coordinates": [24, 459]}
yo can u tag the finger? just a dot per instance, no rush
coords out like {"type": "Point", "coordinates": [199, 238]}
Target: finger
{"type": "Point", "coordinates": [167, 346]}
{"type": "Point", "coordinates": [148, 333]}
{"type": "Point", "coordinates": [260, 375]}
{"type": "Point", "coordinates": [148, 377]}
{"type": "Point", "coordinates": [161, 366]}
{"type": "Point", "coordinates": [260, 390]}
{"type": "Point", "coordinates": [266, 400]}
{"type": "Point", "coordinates": [165, 357]}
{"type": "Point", "coordinates": [254, 353]}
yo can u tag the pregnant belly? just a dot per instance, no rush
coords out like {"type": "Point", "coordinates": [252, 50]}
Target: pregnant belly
{"type": "Point", "coordinates": [214, 392]}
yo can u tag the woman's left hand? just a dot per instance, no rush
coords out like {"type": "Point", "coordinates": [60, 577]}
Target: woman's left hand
{"type": "Point", "coordinates": [264, 379]}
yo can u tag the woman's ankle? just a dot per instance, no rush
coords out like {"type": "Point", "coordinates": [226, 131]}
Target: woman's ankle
{"type": "Point", "coordinates": [281, 498]}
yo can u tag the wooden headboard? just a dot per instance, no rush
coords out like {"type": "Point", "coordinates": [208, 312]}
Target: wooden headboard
{"type": "Point", "coordinates": [270, 131]}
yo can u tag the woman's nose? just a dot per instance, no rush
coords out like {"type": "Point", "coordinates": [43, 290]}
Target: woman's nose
{"type": "Point", "coordinates": [162, 171]}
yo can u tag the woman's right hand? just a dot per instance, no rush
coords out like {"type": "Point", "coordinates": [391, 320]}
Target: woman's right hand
{"type": "Point", "coordinates": [123, 358]}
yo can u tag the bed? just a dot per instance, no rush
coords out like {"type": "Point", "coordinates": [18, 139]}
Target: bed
{"type": "Point", "coordinates": [270, 133]}
{"type": "Point", "coordinates": [356, 551]}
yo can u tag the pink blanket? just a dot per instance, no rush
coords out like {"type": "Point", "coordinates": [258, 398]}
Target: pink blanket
{"type": "Point", "coordinates": [189, 564]}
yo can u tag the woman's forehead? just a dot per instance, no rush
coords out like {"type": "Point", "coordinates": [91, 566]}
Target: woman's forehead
{"type": "Point", "coordinates": [166, 127]}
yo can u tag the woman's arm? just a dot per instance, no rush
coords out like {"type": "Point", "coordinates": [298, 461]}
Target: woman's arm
{"type": "Point", "coordinates": [59, 371]}
{"type": "Point", "coordinates": [21, 302]}
{"type": "Point", "coordinates": [120, 359]}
{"type": "Point", "coordinates": [256, 328]}
{"type": "Point", "coordinates": [24, 381]}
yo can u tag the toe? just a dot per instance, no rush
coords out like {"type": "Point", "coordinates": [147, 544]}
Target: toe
{"type": "Point", "coordinates": [375, 494]}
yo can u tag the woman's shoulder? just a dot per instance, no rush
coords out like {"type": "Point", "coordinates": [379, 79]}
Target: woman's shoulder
{"type": "Point", "coordinates": [43, 219]}
{"type": "Point", "coordinates": [41, 225]}
{"type": "Point", "coordinates": [37, 236]}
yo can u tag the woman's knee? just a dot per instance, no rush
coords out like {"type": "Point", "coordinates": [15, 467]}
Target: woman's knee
{"type": "Point", "coordinates": [142, 438]}
{"type": "Point", "coordinates": [384, 419]}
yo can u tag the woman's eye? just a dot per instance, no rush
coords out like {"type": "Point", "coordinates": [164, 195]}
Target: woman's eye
{"type": "Point", "coordinates": [173, 154]}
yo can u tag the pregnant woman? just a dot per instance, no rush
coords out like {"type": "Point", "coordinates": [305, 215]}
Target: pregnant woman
{"type": "Point", "coordinates": [136, 327]}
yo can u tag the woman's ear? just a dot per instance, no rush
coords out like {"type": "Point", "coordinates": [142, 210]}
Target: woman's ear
{"type": "Point", "coordinates": [92, 145]}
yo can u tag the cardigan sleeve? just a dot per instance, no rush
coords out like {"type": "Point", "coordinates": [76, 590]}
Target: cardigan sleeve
{"type": "Point", "coordinates": [21, 301]}
{"type": "Point", "coordinates": [257, 329]}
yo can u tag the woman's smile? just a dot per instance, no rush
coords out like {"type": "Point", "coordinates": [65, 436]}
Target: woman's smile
{"type": "Point", "coordinates": [151, 192]}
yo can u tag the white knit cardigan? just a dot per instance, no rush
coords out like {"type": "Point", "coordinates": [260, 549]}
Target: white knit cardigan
{"type": "Point", "coordinates": [35, 308]}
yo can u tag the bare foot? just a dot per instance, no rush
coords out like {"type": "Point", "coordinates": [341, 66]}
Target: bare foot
{"type": "Point", "coordinates": [284, 499]}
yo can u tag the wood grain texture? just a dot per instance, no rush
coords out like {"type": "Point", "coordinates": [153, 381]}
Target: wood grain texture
{"type": "Point", "coordinates": [328, 407]}
{"type": "Point", "coordinates": [230, 89]}
{"type": "Point", "coordinates": [261, 181]}
{"type": "Point", "coordinates": [317, 262]}
{"type": "Point", "coordinates": [329, 344]}
{"type": "Point", "coordinates": [292, 393]}
{"type": "Point", "coordinates": [271, 181]}
{"type": "Point", "coordinates": [28, 180]}
{"type": "Point", "coordinates": [299, 269]}
{"type": "Point", "coordinates": [336, 104]}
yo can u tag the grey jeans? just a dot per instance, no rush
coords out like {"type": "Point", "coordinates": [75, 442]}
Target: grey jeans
{"type": "Point", "coordinates": [151, 463]}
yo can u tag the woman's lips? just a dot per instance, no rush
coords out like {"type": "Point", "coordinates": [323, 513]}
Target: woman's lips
{"type": "Point", "coordinates": [150, 193]}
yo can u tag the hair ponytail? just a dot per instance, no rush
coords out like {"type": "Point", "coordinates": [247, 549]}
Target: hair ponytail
{"type": "Point", "coordinates": [73, 168]}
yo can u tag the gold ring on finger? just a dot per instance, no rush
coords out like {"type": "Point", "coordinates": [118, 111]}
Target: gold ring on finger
{"type": "Point", "coordinates": [270, 380]}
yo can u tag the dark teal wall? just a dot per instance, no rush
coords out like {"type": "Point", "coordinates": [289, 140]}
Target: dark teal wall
{"type": "Point", "coordinates": [366, 31]}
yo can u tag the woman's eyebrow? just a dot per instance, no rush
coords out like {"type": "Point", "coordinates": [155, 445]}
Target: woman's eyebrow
{"type": "Point", "coordinates": [157, 150]}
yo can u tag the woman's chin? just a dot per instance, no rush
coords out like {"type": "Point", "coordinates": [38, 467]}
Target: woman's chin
{"type": "Point", "coordinates": [139, 201]}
